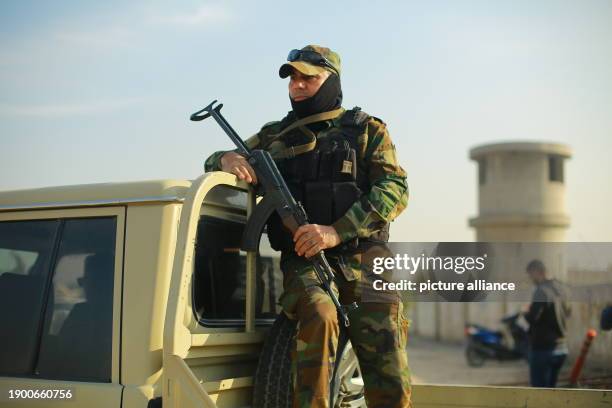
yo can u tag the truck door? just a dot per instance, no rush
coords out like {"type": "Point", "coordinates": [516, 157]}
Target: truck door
{"type": "Point", "coordinates": [60, 286]}
{"type": "Point", "coordinates": [213, 331]}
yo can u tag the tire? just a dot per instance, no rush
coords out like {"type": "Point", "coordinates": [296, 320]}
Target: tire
{"type": "Point", "coordinates": [273, 386]}
{"type": "Point", "coordinates": [475, 358]}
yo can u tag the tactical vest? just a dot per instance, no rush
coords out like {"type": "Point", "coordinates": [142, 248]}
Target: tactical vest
{"type": "Point", "coordinates": [328, 179]}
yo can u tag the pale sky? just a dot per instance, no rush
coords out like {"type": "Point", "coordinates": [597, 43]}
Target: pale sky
{"type": "Point", "coordinates": [101, 91]}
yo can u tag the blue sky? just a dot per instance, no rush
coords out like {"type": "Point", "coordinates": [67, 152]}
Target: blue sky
{"type": "Point", "coordinates": [101, 91]}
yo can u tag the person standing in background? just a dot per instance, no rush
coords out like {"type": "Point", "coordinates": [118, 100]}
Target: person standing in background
{"type": "Point", "coordinates": [547, 316]}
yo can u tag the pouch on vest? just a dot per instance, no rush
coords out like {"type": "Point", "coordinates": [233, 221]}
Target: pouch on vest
{"type": "Point", "coordinates": [326, 165]}
{"type": "Point", "coordinates": [345, 195]}
{"type": "Point", "coordinates": [302, 167]}
{"type": "Point", "coordinates": [318, 202]}
{"type": "Point", "coordinates": [344, 164]}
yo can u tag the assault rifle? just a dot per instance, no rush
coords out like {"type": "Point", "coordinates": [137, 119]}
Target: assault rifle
{"type": "Point", "coordinates": [276, 197]}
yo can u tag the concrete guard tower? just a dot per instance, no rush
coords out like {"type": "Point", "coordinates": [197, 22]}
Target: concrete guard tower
{"type": "Point", "coordinates": [521, 199]}
{"type": "Point", "coordinates": [521, 194]}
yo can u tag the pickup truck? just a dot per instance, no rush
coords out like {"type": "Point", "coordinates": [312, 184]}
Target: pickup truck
{"type": "Point", "coordinates": [138, 295]}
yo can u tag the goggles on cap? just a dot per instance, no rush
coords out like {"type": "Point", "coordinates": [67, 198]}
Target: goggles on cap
{"type": "Point", "coordinates": [312, 57]}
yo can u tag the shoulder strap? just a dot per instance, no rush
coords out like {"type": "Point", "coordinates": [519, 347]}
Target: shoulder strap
{"type": "Point", "coordinates": [319, 117]}
{"type": "Point", "coordinates": [355, 118]}
{"type": "Point", "coordinates": [293, 151]}
{"type": "Point", "coordinates": [301, 124]}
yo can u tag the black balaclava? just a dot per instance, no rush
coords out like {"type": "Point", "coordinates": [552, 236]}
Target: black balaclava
{"type": "Point", "coordinates": [327, 98]}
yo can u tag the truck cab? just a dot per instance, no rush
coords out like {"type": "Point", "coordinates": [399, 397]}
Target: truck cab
{"type": "Point", "coordinates": [124, 293]}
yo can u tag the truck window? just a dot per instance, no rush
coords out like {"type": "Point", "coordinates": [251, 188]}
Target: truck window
{"type": "Point", "coordinates": [25, 257]}
{"type": "Point", "coordinates": [77, 340]}
{"type": "Point", "coordinates": [219, 281]}
{"type": "Point", "coordinates": [56, 287]}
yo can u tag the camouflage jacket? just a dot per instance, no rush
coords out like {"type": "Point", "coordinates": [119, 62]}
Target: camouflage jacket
{"type": "Point", "coordinates": [388, 194]}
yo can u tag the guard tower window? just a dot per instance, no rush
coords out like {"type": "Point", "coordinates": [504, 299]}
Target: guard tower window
{"type": "Point", "coordinates": [482, 171]}
{"type": "Point", "coordinates": [555, 168]}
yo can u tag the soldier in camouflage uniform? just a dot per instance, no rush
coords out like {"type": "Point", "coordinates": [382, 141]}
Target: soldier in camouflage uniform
{"type": "Point", "coordinates": [342, 166]}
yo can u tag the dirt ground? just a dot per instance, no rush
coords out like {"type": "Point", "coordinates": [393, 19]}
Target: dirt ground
{"type": "Point", "coordinates": [434, 362]}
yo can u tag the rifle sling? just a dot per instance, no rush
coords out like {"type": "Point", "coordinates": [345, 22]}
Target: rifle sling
{"type": "Point", "coordinates": [301, 124]}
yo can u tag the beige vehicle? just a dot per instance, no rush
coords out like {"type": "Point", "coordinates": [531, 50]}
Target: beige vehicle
{"type": "Point", "coordinates": [130, 294]}
{"type": "Point", "coordinates": [137, 295]}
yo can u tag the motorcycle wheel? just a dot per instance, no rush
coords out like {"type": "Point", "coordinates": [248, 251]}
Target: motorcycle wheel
{"type": "Point", "coordinates": [475, 358]}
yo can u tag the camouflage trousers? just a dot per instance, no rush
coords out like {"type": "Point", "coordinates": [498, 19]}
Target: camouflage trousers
{"type": "Point", "coordinates": [378, 334]}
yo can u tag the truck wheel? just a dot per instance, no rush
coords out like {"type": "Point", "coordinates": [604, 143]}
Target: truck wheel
{"type": "Point", "coordinates": [347, 383]}
{"type": "Point", "coordinates": [273, 386]}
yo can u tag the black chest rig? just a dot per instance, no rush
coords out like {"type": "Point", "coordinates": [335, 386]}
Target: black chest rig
{"type": "Point", "coordinates": [329, 178]}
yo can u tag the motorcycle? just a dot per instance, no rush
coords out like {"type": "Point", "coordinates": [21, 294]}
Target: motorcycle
{"type": "Point", "coordinates": [484, 343]}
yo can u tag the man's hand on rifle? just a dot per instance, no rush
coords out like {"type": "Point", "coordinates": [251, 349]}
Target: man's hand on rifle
{"type": "Point", "coordinates": [311, 238]}
{"type": "Point", "coordinates": [232, 162]}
